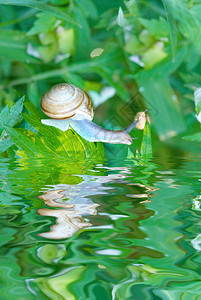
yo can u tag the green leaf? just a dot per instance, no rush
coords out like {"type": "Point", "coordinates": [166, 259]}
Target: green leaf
{"type": "Point", "coordinates": [146, 146]}
{"type": "Point", "coordinates": [43, 148]}
{"type": "Point", "coordinates": [13, 46]}
{"type": "Point", "coordinates": [158, 28]}
{"type": "Point", "coordinates": [15, 111]}
{"type": "Point", "coordinates": [45, 22]}
{"type": "Point", "coordinates": [119, 87]}
{"type": "Point", "coordinates": [166, 66]}
{"type": "Point", "coordinates": [47, 53]}
{"type": "Point", "coordinates": [22, 139]}
{"type": "Point", "coordinates": [66, 41]}
{"type": "Point", "coordinates": [169, 8]}
{"type": "Point", "coordinates": [41, 6]}
{"type": "Point", "coordinates": [108, 5]}
{"type": "Point", "coordinates": [32, 110]}
{"type": "Point", "coordinates": [33, 93]}
{"type": "Point", "coordinates": [190, 3]}
{"type": "Point", "coordinates": [5, 144]}
{"type": "Point", "coordinates": [12, 116]}
{"type": "Point", "coordinates": [196, 137]}
{"type": "Point", "coordinates": [4, 115]}
{"type": "Point", "coordinates": [52, 142]}
{"type": "Point", "coordinates": [91, 10]}
{"type": "Point", "coordinates": [49, 136]}
{"type": "Point", "coordinates": [82, 48]}
{"type": "Point", "coordinates": [163, 109]}
{"type": "Point", "coordinates": [197, 99]}
{"type": "Point", "coordinates": [153, 56]}
{"type": "Point", "coordinates": [59, 2]}
{"type": "Point", "coordinates": [121, 20]}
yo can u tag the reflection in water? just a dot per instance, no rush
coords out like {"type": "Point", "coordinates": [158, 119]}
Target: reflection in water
{"type": "Point", "coordinates": [73, 204]}
{"type": "Point", "coordinates": [68, 221]}
{"type": "Point", "coordinates": [197, 203]}
{"type": "Point", "coordinates": [136, 249]}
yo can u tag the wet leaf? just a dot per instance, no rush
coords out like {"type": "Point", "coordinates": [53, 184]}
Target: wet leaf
{"type": "Point", "coordinates": [5, 144]}
{"type": "Point", "coordinates": [22, 139]}
{"type": "Point", "coordinates": [9, 117]}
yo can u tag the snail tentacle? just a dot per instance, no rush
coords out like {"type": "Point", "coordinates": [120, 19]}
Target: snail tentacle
{"type": "Point", "coordinates": [133, 124]}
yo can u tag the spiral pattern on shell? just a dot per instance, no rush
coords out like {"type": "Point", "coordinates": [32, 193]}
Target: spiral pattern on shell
{"type": "Point", "coordinates": [65, 100]}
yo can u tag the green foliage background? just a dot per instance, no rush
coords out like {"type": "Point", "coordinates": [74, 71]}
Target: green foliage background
{"type": "Point", "coordinates": [148, 51]}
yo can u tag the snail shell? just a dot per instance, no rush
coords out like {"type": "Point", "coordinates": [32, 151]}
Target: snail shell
{"type": "Point", "coordinates": [65, 100]}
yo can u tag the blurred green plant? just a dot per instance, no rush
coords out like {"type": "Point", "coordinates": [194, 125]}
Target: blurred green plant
{"type": "Point", "coordinates": [196, 137]}
{"type": "Point", "coordinates": [149, 48]}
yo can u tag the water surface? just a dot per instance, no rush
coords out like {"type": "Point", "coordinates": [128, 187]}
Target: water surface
{"type": "Point", "coordinates": [105, 230]}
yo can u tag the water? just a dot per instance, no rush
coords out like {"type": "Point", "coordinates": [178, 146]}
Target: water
{"type": "Point", "coordinates": [110, 230]}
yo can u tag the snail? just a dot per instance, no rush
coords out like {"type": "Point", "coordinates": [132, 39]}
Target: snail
{"type": "Point", "coordinates": [68, 106]}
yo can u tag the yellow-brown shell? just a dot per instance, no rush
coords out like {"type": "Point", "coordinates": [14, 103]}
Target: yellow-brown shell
{"type": "Point", "coordinates": [65, 100]}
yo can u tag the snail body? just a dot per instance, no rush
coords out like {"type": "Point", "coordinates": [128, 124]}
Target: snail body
{"type": "Point", "coordinates": [69, 106]}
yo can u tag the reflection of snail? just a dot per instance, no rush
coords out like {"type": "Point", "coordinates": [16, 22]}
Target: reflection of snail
{"type": "Point", "coordinates": [74, 204]}
{"type": "Point", "coordinates": [67, 105]}
{"type": "Point", "coordinates": [70, 219]}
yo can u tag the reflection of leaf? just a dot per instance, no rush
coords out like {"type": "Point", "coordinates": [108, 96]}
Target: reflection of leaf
{"type": "Point", "coordinates": [59, 286]}
{"type": "Point", "coordinates": [49, 253]}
